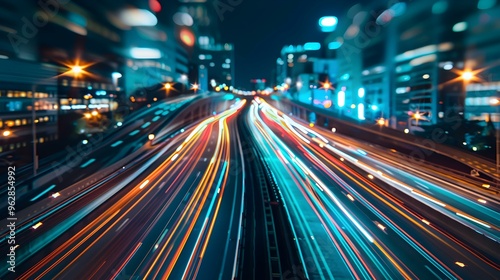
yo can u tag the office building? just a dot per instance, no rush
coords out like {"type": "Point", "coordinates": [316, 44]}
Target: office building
{"type": "Point", "coordinates": [409, 73]}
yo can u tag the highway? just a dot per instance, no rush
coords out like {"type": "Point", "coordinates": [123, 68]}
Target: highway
{"type": "Point", "coordinates": [352, 209]}
{"type": "Point", "coordinates": [101, 150]}
{"type": "Point", "coordinates": [250, 192]}
{"type": "Point", "coordinates": [169, 214]}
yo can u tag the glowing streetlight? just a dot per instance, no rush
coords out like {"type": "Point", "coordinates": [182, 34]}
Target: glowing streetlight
{"type": "Point", "coordinates": [151, 136]}
{"type": "Point", "coordinates": [168, 86]}
{"type": "Point", "coordinates": [381, 121]}
{"type": "Point", "coordinates": [195, 87]}
{"type": "Point", "coordinates": [6, 133]}
{"type": "Point", "coordinates": [467, 75]}
{"type": "Point", "coordinates": [95, 113]}
{"type": "Point", "coordinates": [87, 115]}
{"type": "Point", "coordinates": [327, 85]}
{"type": "Point", "coordinates": [76, 70]}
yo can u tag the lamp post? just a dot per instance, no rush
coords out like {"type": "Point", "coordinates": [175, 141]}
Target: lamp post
{"type": "Point", "coordinates": [195, 87]}
{"type": "Point", "coordinates": [33, 130]}
{"type": "Point", "coordinates": [381, 122]}
{"type": "Point", "coordinates": [76, 70]}
{"type": "Point", "coordinates": [497, 135]}
{"type": "Point", "coordinates": [467, 75]}
{"type": "Point", "coordinates": [168, 86]}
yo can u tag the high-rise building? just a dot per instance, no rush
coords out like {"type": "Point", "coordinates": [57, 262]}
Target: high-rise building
{"type": "Point", "coordinates": [482, 100]}
{"type": "Point", "coordinates": [218, 60]}
{"type": "Point", "coordinates": [28, 102]}
{"type": "Point", "coordinates": [28, 89]}
{"type": "Point", "coordinates": [82, 56]}
{"type": "Point", "coordinates": [411, 71]}
{"type": "Point", "coordinates": [305, 75]}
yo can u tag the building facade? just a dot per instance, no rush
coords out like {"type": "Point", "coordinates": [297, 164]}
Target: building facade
{"type": "Point", "coordinates": [415, 73]}
{"type": "Point", "coordinates": [71, 58]}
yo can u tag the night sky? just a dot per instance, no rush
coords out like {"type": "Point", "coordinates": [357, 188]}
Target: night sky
{"type": "Point", "coordinates": [260, 28]}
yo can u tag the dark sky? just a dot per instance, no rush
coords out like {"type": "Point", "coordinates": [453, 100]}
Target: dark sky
{"type": "Point", "coordinates": [260, 28]}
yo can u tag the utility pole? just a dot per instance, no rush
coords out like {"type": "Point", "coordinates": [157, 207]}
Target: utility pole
{"type": "Point", "coordinates": [497, 136]}
{"type": "Point", "coordinates": [33, 128]}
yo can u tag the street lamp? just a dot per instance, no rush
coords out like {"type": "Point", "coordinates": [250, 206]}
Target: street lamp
{"type": "Point", "coordinates": [195, 87]}
{"type": "Point", "coordinates": [76, 70]}
{"type": "Point", "coordinates": [417, 116]}
{"type": "Point", "coordinates": [467, 75]}
{"type": "Point", "coordinates": [6, 133]}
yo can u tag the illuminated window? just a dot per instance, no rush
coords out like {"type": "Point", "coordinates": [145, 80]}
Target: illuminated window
{"type": "Point", "coordinates": [10, 94]}
{"type": "Point", "coordinates": [23, 94]}
{"type": "Point", "coordinates": [41, 140]}
{"type": "Point", "coordinates": [1, 149]}
{"type": "Point", "coordinates": [10, 123]}
{"type": "Point", "coordinates": [1, 123]}
{"type": "Point", "coordinates": [46, 118]}
{"type": "Point", "coordinates": [11, 146]}
{"type": "Point", "coordinates": [18, 145]}
{"type": "Point", "coordinates": [24, 144]}
{"type": "Point", "coordinates": [24, 121]}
